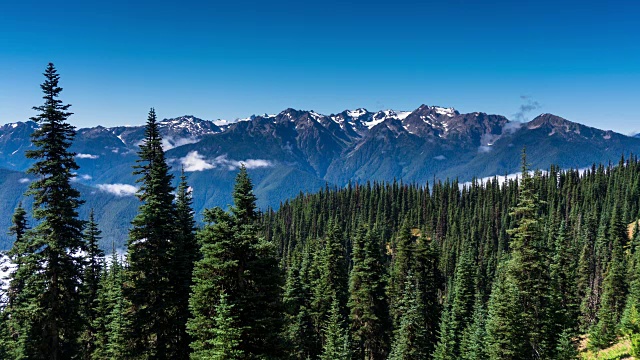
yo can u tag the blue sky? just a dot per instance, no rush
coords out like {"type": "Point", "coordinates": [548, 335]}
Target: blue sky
{"type": "Point", "coordinates": [577, 59]}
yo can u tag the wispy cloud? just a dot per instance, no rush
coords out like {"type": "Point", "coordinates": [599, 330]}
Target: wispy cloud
{"type": "Point", "coordinates": [118, 189]}
{"type": "Point", "coordinates": [197, 162]}
{"type": "Point", "coordinates": [528, 106]}
{"type": "Point", "coordinates": [24, 180]}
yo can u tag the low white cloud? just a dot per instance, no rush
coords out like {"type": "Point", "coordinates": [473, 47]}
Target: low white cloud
{"type": "Point", "coordinates": [196, 162]}
{"type": "Point", "coordinates": [118, 189]}
{"type": "Point", "coordinates": [511, 127]}
{"type": "Point", "coordinates": [440, 157]}
{"type": "Point", "coordinates": [484, 149]}
{"type": "Point", "coordinates": [87, 156]}
{"type": "Point", "coordinates": [169, 143]}
{"type": "Point", "coordinates": [24, 180]}
{"type": "Point", "coordinates": [254, 163]}
{"type": "Point", "coordinates": [85, 177]}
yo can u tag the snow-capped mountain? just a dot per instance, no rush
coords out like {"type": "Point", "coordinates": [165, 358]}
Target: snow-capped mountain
{"type": "Point", "coordinates": [297, 150]}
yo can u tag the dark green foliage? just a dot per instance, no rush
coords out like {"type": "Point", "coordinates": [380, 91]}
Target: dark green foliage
{"type": "Point", "coordinates": [411, 340]}
{"type": "Point", "coordinates": [506, 335]}
{"type": "Point", "coordinates": [235, 260]}
{"type": "Point", "coordinates": [226, 334]}
{"type": "Point", "coordinates": [110, 323]}
{"type": "Point", "coordinates": [337, 345]}
{"type": "Point", "coordinates": [458, 315]}
{"type": "Point", "coordinates": [367, 300]}
{"type": "Point", "coordinates": [91, 282]}
{"type": "Point", "coordinates": [148, 285]}
{"type": "Point", "coordinates": [330, 288]}
{"type": "Point", "coordinates": [184, 254]}
{"type": "Point", "coordinates": [473, 343]}
{"type": "Point", "coordinates": [566, 349]}
{"type": "Point", "coordinates": [45, 321]}
{"type": "Point", "coordinates": [613, 289]}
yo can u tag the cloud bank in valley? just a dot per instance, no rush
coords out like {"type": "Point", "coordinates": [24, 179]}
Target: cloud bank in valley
{"type": "Point", "coordinates": [118, 189]}
{"type": "Point", "coordinates": [197, 162]}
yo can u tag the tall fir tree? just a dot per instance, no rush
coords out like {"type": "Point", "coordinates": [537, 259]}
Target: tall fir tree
{"type": "Point", "coordinates": [331, 285]}
{"type": "Point", "coordinates": [149, 280]}
{"type": "Point", "coordinates": [367, 300]}
{"type": "Point", "coordinates": [235, 260]}
{"type": "Point", "coordinates": [91, 282]}
{"type": "Point", "coordinates": [185, 252]}
{"type": "Point", "coordinates": [614, 287]}
{"type": "Point", "coordinates": [52, 286]}
{"type": "Point", "coordinates": [528, 267]}
{"type": "Point", "coordinates": [226, 334]}
{"type": "Point", "coordinates": [411, 341]}
{"type": "Point", "coordinates": [337, 345]}
{"type": "Point", "coordinates": [14, 311]}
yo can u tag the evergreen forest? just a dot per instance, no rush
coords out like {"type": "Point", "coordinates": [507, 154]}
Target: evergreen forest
{"type": "Point", "coordinates": [534, 267]}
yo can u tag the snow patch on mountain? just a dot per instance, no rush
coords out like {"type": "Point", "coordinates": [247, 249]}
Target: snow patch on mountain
{"type": "Point", "coordinates": [450, 112]}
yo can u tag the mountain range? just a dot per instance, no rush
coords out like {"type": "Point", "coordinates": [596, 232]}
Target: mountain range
{"type": "Point", "coordinates": [299, 151]}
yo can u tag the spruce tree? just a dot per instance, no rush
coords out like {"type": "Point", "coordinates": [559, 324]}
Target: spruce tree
{"type": "Point", "coordinates": [235, 260]}
{"type": "Point", "coordinates": [149, 280]}
{"type": "Point", "coordinates": [473, 342]}
{"type": "Point", "coordinates": [14, 311]}
{"type": "Point", "coordinates": [185, 252]}
{"type": "Point", "coordinates": [331, 285]}
{"type": "Point", "coordinates": [614, 288]}
{"type": "Point", "coordinates": [226, 335]}
{"type": "Point", "coordinates": [52, 285]}
{"type": "Point", "coordinates": [367, 300]}
{"type": "Point", "coordinates": [506, 335]}
{"type": "Point", "coordinates": [337, 345]}
{"type": "Point", "coordinates": [410, 338]}
{"type": "Point", "coordinates": [91, 282]}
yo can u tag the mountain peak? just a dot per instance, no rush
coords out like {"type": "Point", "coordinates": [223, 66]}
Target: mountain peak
{"type": "Point", "coordinates": [439, 110]}
{"type": "Point", "coordinates": [549, 120]}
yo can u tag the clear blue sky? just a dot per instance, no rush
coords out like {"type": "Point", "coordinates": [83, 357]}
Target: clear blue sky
{"type": "Point", "coordinates": [577, 59]}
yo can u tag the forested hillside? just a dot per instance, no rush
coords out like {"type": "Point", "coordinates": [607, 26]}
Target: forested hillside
{"type": "Point", "coordinates": [513, 270]}
{"type": "Point", "coordinates": [520, 269]}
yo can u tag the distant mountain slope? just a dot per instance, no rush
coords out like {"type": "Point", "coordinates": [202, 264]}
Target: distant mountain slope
{"type": "Point", "coordinates": [299, 150]}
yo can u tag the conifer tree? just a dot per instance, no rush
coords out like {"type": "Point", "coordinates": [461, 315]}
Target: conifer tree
{"type": "Point", "coordinates": [51, 288]}
{"type": "Point", "coordinates": [337, 345]}
{"type": "Point", "coordinates": [331, 285]}
{"type": "Point", "coordinates": [235, 260]}
{"type": "Point", "coordinates": [401, 263]}
{"type": "Point", "coordinates": [148, 285]}
{"type": "Point", "coordinates": [411, 339]}
{"type": "Point", "coordinates": [473, 342]}
{"type": "Point", "coordinates": [529, 270]}
{"type": "Point", "coordinates": [14, 312]}
{"type": "Point", "coordinates": [226, 335]}
{"type": "Point", "coordinates": [91, 282]}
{"type": "Point", "coordinates": [367, 300]}
{"type": "Point", "coordinates": [299, 330]}
{"type": "Point", "coordinates": [614, 288]}
{"type": "Point", "coordinates": [461, 307]}
{"type": "Point", "coordinates": [506, 336]}
{"type": "Point", "coordinates": [185, 252]}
